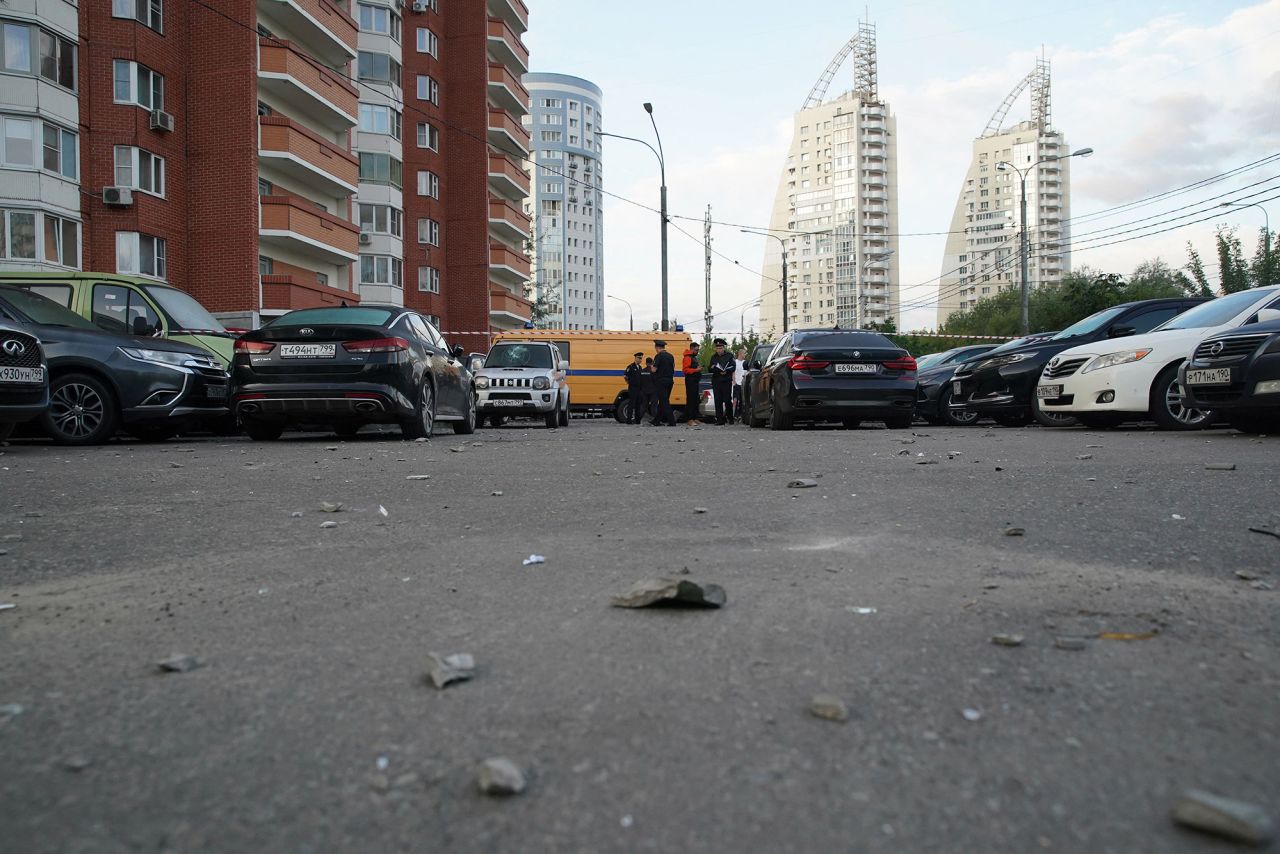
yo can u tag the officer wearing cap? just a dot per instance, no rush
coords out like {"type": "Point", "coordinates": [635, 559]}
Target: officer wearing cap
{"type": "Point", "coordinates": [635, 389]}
{"type": "Point", "coordinates": [664, 377]}
{"type": "Point", "coordinates": [722, 367]}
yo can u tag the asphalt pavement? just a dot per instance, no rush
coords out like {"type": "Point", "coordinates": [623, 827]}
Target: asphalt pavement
{"type": "Point", "coordinates": [1150, 660]}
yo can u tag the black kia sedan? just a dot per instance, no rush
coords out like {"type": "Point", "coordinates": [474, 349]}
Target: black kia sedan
{"type": "Point", "coordinates": [341, 368]}
{"type": "Point", "coordinates": [24, 378]}
{"type": "Point", "coordinates": [849, 376]}
{"type": "Point", "coordinates": [933, 385]}
{"type": "Point", "coordinates": [100, 382]}
{"type": "Point", "coordinates": [1237, 375]}
{"type": "Point", "coordinates": [1002, 384]}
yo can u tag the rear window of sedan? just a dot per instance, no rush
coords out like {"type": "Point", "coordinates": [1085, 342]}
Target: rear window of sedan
{"type": "Point", "coordinates": [334, 317]}
{"type": "Point", "coordinates": [840, 340]}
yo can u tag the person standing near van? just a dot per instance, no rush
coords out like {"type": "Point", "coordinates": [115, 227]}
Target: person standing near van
{"type": "Point", "coordinates": [634, 374]}
{"type": "Point", "coordinates": [739, 375]}
{"type": "Point", "coordinates": [722, 368]}
{"type": "Point", "coordinates": [647, 391]}
{"type": "Point", "coordinates": [664, 374]}
{"type": "Point", "coordinates": [692, 368]}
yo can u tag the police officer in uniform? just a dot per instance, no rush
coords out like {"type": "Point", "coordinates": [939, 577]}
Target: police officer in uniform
{"type": "Point", "coordinates": [635, 396]}
{"type": "Point", "coordinates": [723, 366]}
{"type": "Point", "coordinates": [664, 377]}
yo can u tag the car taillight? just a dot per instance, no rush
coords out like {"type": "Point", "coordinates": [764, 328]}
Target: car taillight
{"type": "Point", "coordinates": [801, 362]}
{"type": "Point", "coordinates": [906, 363]}
{"type": "Point", "coordinates": [705, 394]}
{"type": "Point", "coordinates": [256, 347]}
{"type": "Point", "coordinates": [376, 345]}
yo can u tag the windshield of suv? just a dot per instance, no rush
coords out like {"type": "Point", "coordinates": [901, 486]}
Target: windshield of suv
{"type": "Point", "coordinates": [519, 356]}
{"type": "Point", "coordinates": [1214, 312]}
{"type": "Point", "coordinates": [185, 314]}
{"type": "Point", "coordinates": [37, 309]}
{"type": "Point", "coordinates": [1092, 323]}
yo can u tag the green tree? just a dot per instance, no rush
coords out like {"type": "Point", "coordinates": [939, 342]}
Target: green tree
{"type": "Point", "coordinates": [1263, 269]}
{"type": "Point", "coordinates": [1195, 267]}
{"type": "Point", "coordinates": [1232, 267]}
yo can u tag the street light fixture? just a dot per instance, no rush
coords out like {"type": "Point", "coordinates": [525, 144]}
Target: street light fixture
{"type": "Point", "coordinates": [1022, 241]}
{"type": "Point", "coordinates": [742, 320]}
{"type": "Point", "coordinates": [1266, 236]}
{"type": "Point", "coordinates": [783, 243]}
{"type": "Point", "coordinates": [873, 258]}
{"type": "Point", "coordinates": [630, 314]}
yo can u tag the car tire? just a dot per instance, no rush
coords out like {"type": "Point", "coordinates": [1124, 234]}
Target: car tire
{"type": "Point", "coordinates": [564, 413]}
{"type": "Point", "coordinates": [152, 433]}
{"type": "Point", "coordinates": [263, 431]}
{"type": "Point", "coordinates": [777, 420]}
{"type": "Point", "coordinates": [949, 417]}
{"type": "Point", "coordinates": [423, 421]}
{"type": "Point", "coordinates": [82, 411]}
{"type": "Point", "coordinates": [1243, 423]}
{"type": "Point", "coordinates": [1100, 420]}
{"type": "Point", "coordinates": [1166, 407]}
{"type": "Point", "coordinates": [1051, 419]}
{"type": "Point", "coordinates": [851, 423]}
{"type": "Point", "coordinates": [1012, 419]}
{"type": "Point", "coordinates": [467, 425]}
{"type": "Point", "coordinates": [622, 410]}
{"type": "Point", "coordinates": [899, 422]}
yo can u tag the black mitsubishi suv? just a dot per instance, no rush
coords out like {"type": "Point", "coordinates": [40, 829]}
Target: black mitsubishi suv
{"type": "Point", "coordinates": [1237, 375]}
{"type": "Point", "coordinates": [1003, 385]}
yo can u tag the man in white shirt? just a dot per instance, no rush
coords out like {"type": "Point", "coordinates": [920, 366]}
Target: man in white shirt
{"type": "Point", "coordinates": [739, 374]}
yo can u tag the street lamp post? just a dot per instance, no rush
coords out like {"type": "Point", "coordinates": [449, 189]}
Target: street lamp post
{"type": "Point", "coordinates": [1022, 239]}
{"type": "Point", "coordinates": [631, 316]}
{"type": "Point", "coordinates": [783, 243]}
{"type": "Point", "coordinates": [1266, 237]}
{"type": "Point", "coordinates": [662, 198]}
{"type": "Point", "coordinates": [742, 320]}
{"type": "Point", "coordinates": [872, 259]}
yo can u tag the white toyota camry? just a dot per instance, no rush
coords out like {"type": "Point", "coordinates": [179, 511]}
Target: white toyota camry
{"type": "Point", "coordinates": [1128, 379]}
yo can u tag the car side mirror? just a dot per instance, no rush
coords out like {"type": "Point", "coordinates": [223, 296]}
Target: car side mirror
{"type": "Point", "coordinates": [755, 366]}
{"type": "Point", "coordinates": [457, 352]}
{"type": "Point", "coordinates": [564, 364]}
{"type": "Point", "coordinates": [476, 364]}
{"type": "Point", "coordinates": [1121, 331]}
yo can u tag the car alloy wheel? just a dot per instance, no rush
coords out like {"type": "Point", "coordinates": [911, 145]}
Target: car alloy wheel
{"type": "Point", "coordinates": [81, 411]}
{"type": "Point", "coordinates": [1184, 414]}
{"type": "Point", "coordinates": [427, 409]}
{"type": "Point", "coordinates": [954, 417]}
{"type": "Point", "coordinates": [1166, 405]}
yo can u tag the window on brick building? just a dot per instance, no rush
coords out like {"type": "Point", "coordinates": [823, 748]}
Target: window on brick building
{"type": "Point", "coordinates": [149, 13]}
{"type": "Point", "coordinates": [428, 89]}
{"type": "Point", "coordinates": [140, 254]}
{"type": "Point", "coordinates": [379, 118]}
{"type": "Point", "coordinates": [380, 219]}
{"type": "Point", "coordinates": [60, 151]}
{"type": "Point", "coordinates": [551, 136]}
{"type": "Point", "coordinates": [381, 169]}
{"type": "Point", "coordinates": [427, 42]}
{"type": "Point", "coordinates": [428, 183]}
{"type": "Point", "coordinates": [61, 241]}
{"type": "Point", "coordinates": [322, 279]}
{"type": "Point", "coordinates": [139, 169]}
{"type": "Point", "coordinates": [379, 67]}
{"type": "Point", "coordinates": [429, 232]}
{"type": "Point", "coordinates": [380, 270]}
{"type": "Point", "coordinates": [428, 136]}
{"type": "Point", "coordinates": [19, 142]}
{"type": "Point", "coordinates": [28, 49]}
{"type": "Point", "coordinates": [137, 84]}
{"type": "Point", "coordinates": [429, 282]}
{"type": "Point", "coordinates": [18, 235]}
{"type": "Point", "coordinates": [379, 19]}
{"type": "Point", "coordinates": [266, 266]}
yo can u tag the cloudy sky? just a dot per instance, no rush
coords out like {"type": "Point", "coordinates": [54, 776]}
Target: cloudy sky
{"type": "Point", "coordinates": [1167, 93]}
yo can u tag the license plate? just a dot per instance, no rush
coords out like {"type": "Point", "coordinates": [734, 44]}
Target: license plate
{"type": "Point", "coordinates": [218, 391]}
{"type": "Point", "coordinates": [857, 368]}
{"type": "Point", "coordinates": [507, 402]}
{"type": "Point", "coordinates": [21, 375]}
{"type": "Point", "coordinates": [955, 388]}
{"type": "Point", "coordinates": [1045, 391]}
{"type": "Point", "coordinates": [308, 351]}
{"type": "Point", "coordinates": [1215, 376]}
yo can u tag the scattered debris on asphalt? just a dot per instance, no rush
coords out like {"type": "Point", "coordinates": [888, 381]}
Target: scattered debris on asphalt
{"type": "Point", "coordinates": [1007, 640]}
{"type": "Point", "coordinates": [1262, 585]}
{"type": "Point", "coordinates": [829, 708]}
{"type": "Point", "coordinates": [12, 710]}
{"type": "Point", "coordinates": [670, 591]}
{"type": "Point", "coordinates": [855, 609]}
{"type": "Point", "coordinates": [532, 559]}
{"type": "Point", "coordinates": [1224, 817]}
{"type": "Point", "coordinates": [421, 439]}
{"type": "Point", "coordinates": [418, 477]}
{"type": "Point", "coordinates": [178, 664]}
{"type": "Point", "coordinates": [1014, 532]}
{"type": "Point", "coordinates": [1246, 575]}
{"type": "Point", "coordinates": [1069, 643]}
{"type": "Point", "coordinates": [500, 776]}
{"type": "Point", "coordinates": [802, 483]}
{"type": "Point", "coordinates": [926, 462]}
{"type": "Point", "coordinates": [331, 506]}
{"type": "Point", "coordinates": [699, 510]}
{"type": "Point", "coordinates": [173, 465]}
{"type": "Point", "coordinates": [1220, 467]}
{"type": "Point", "coordinates": [382, 511]}
{"type": "Point", "coordinates": [497, 493]}
{"type": "Point", "coordinates": [972, 715]}
{"type": "Point", "coordinates": [76, 764]}
{"type": "Point", "coordinates": [1267, 531]}
{"type": "Point", "coordinates": [1179, 518]}
{"type": "Point", "coordinates": [329, 524]}
{"type": "Point", "coordinates": [457, 450]}
{"type": "Point", "coordinates": [1126, 636]}
{"type": "Point", "coordinates": [5, 606]}
{"type": "Point", "coordinates": [1084, 456]}
{"type": "Point", "coordinates": [445, 669]}
{"type": "Point", "coordinates": [296, 514]}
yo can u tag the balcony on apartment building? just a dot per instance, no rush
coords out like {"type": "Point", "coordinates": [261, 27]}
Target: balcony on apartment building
{"type": "Point", "coordinates": [507, 134]}
{"type": "Point", "coordinates": [298, 225]}
{"type": "Point", "coordinates": [508, 310]}
{"type": "Point", "coordinates": [513, 13]}
{"type": "Point", "coordinates": [313, 92]}
{"type": "Point", "coordinates": [507, 267]}
{"type": "Point", "coordinates": [507, 179]}
{"type": "Point", "coordinates": [301, 153]}
{"type": "Point", "coordinates": [505, 46]}
{"type": "Point", "coordinates": [289, 291]}
{"type": "Point", "coordinates": [506, 90]}
{"type": "Point", "coordinates": [323, 28]}
{"type": "Point", "coordinates": [508, 222]}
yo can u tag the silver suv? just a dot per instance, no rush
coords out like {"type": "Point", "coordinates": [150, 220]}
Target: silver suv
{"type": "Point", "coordinates": [523, 379]}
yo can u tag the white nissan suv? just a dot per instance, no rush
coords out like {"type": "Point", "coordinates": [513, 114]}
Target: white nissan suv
{"type": "Point", "coordinates": [1129, 379]}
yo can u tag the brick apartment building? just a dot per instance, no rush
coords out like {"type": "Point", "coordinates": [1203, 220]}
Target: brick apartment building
{"type": "Point", "coordinates": [248, 149]}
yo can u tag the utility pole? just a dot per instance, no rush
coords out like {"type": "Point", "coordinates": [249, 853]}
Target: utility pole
{"type": "Point", "coordinates": [706, 242]}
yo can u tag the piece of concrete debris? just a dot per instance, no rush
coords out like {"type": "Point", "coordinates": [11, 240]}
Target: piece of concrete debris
{"type": "Point", "coordinates": [331, 506]}
{"type": "Point", "coordinates": [178, 664]}
{"type": "Point", "coordinates": [972, 715]}
{"type": "Point", "coordinates": [76, 764]}
{"type": "Point", "coordinates": [382, 511]}
{"type": "Point", "coordinates": [497, 493]}
{"type": "Point", "coordinates": [1069, 643]}
{"type": "Point", "coordinates": [829, 708]}
{"type": "Point", "coordinates": [1014, 532]}
{"type": "Point", "coordinates": [903, 453]}
{"type": "Point", "coordinates": [532, 559]}
{"type": "Point", "coordinates": [1246, 575]}
{"type": "Point", "coordinates": [7, 606]}
{"type": "Point", "coordinates": [457, 450]}
{"type": "Point", "coordinates": [1220, 467]}
{"type": "Point", "coordinates": [500, 777]}
{"type": "Point", "coordinates": [421, 439]}
{"type": "Point", "coordinates": [296, 514]}
{"type": "Point", "coordinates": [1266, 531]}
{"type": "Point", "coordinates": [670, 591]}
{"type": "Point", "coordinates": [926, 462]}
{"type": "Point", "coordinates": [176, 465]}
{"type": "Point", "coordinates": [1262, 585]}
{"type": "Point", "coordinates": [802, 483]}
{"type": "Point", "coordinates": [1084, 456]}
{"type": "Point", "coordinates": [1224, 817]}
{"type": "Point", "coordinates": [328, 525]}
{"type": "Point", "coordinates": [443, 670]}
{"type": "Point", "coordinates": [699, 510]}
{"type": "Point", "coordinates": [1007, 640]}
{"type": "Point", "coordinates": [12, 710]}
{"type": "Point", "coordinates": [418, 477]}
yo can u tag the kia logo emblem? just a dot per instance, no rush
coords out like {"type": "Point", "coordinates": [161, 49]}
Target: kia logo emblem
{"type": "Point", "coordinates": [1215, 348]}
{"type": "Point", "coordinates": [306, 330]}
{"type": "Point", "coordinates": [14, 347]}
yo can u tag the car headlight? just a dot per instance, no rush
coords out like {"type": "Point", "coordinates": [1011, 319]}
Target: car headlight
{"type": "Point", "coordinates": [1110, 360]}
{"type": "Point", "coordinates": [1001, 361]}
{"type": "Point", "coordinates": [159, 357]}
{"type": "Point", "coordinates": [541, 383]}
{"type": "Point", "coordinates": [482, 382]}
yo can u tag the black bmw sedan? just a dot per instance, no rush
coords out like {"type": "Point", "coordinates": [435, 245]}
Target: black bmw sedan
{"type": "Point", "coordinates": [1237, 375]}
{"type": "Point", "coordinates": [848, 376]}
{"type": "Point", "coordinates": [342, 368]}
{"type": "Point", "coordinates": [100, 382]}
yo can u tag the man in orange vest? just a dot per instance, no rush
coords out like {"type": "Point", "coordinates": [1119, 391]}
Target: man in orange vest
{"type": "Point", "coordinates": [692, 368]}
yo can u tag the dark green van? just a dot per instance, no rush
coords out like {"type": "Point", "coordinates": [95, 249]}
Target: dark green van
{"type": "Point", "coordinates": [132, 305]}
